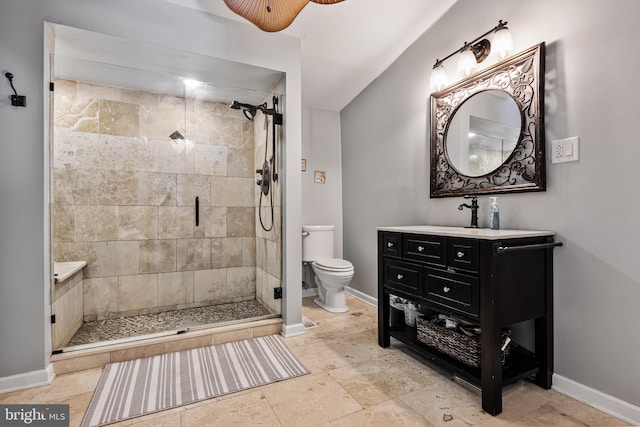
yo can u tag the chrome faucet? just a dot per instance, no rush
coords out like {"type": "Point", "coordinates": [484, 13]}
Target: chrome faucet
{"type": "Point", "coordinates": [474, 210]}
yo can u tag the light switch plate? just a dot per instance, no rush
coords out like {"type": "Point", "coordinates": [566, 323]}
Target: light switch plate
{"type": "Point", "coordinates": [565, 150]}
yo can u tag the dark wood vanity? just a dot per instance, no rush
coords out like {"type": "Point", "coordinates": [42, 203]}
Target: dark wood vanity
{"type": "Point", "coordinates": [492, 278]}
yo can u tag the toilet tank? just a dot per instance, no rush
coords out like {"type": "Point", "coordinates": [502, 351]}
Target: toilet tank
{"type": "Point", "coordinates": [318, 243]}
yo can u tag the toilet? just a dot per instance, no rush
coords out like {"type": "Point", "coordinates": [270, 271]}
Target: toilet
{"type": "Point", "coordinates": [332, 274]}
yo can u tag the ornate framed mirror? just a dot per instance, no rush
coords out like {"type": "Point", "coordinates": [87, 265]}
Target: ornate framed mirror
{"type": "Point", "coordinates": [487, 131]}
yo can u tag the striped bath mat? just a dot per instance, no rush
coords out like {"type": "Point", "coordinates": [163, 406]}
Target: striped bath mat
{"type": "Point", "coordinates": [143, 386]}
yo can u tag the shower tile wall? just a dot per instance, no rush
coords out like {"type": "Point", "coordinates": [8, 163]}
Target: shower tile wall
{"type": "Point", "coordinates": [268, 243]}
{"type": "Point", "coordinates": [124, 199]}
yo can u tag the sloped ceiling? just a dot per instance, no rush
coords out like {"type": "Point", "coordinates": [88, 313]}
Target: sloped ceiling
{"type": "Point", "coordinates": [345, 46]}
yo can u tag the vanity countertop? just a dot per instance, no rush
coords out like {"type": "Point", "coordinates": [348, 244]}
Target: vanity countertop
{"type": "Point", "coordinates": [476, 233]}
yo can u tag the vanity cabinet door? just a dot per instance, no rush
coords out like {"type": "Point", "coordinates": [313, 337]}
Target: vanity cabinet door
{"type": "Point", "coordinates": [454, 291]}
{"type": "Point", "coordinates": [403, 276]}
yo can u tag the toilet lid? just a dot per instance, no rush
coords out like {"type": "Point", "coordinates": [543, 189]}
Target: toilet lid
{"type": "Point", "coordinates": [335, 264]}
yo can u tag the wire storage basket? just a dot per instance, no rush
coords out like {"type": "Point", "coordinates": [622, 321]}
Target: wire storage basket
{"type": "Point", "coordinates": [463, 347]}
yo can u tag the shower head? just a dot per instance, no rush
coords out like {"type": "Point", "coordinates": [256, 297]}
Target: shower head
{"type": "Point", "coordinates": [176, 136]}
{"type": "Point", "coordinates": [248, 109]}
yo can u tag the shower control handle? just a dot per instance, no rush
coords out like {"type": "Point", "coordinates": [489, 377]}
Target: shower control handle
{"type": "Point", "coordinates": [264, 182]}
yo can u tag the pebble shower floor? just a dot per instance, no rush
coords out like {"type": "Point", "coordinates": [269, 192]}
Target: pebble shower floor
{"type": "Point", "coordinates": [144, 324]}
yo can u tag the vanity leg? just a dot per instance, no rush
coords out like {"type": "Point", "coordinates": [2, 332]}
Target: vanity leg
{"type": "Point", "coordinates": [544, 329]}
{"type": "Point", "coordinates": [491, 367]}
{"type": "Point", "coordinates": [383, 320]}
{"type": "Point", "coordinates": [544, 352]}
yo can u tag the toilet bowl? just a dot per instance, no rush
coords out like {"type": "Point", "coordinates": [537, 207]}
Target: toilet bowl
{"type": "Point", "coordinates": [332, 275]}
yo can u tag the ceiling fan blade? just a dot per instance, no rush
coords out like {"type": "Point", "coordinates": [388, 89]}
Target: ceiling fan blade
{"type": "Point", "coordinates": [278, 16]}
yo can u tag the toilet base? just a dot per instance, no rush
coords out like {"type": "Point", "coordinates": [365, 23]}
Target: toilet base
{"type": "Point", "coordinates": [331, 309]}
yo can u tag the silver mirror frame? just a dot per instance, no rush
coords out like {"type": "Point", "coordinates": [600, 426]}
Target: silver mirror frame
{"type": "Point", "coordinates": [522, 77]}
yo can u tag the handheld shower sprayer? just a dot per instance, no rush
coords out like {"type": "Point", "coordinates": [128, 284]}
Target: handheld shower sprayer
{"type": "Point", "coordinates": [268, 174]}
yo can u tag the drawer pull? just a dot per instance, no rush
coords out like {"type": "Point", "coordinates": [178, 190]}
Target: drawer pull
{"type": "Point", "coordinates": [389, 244]}
{"type": "Point", "coordinates": [420, 248]}
{"type": "Point", "coordinates": [460, 254]}
{"type": "Point", "coordinates": [400, 276]}
{"type": "Point", "coordinates": [446, 289]}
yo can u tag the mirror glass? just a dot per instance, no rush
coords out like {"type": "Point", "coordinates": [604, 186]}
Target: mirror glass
{"type": "Point", "coordinates": [487, 130]}
{"type": "Point", "coordinates": [483, 132]}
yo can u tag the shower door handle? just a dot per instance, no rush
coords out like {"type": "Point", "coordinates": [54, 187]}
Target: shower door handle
{"type": "Point", "coordinates": [197, 211]}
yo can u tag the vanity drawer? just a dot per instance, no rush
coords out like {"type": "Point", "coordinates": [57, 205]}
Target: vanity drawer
{"type": "Point", "coordinates": [391, 244]}
{"type": "Point", "coordinates": [462, 254]}
{"type": "Point", "coordinates": [403, 276]}
{"type": "Point", "coordinates": [452, 290]}
{"type": "Point", "coordinates": [430, 249]}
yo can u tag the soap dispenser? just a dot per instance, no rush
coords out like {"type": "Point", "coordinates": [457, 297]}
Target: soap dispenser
{"type": "Point", "coordinates": [494, 215]}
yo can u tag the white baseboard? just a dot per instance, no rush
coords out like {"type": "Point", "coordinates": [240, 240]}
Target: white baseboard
{"type": "Point", "coordinates": [293, 330]}
{"type": "Point", "coordinates": [27, 380]}
{"type": "Point", "coordinates": [311, 292]}
{"type": "Point", "coordinates": [597, 399]}
{"type": "Point", "coordinates": [361, 295]}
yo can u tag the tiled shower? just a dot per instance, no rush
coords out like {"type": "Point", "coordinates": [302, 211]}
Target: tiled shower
{"type": "Point", "coordinates": [124, 200]}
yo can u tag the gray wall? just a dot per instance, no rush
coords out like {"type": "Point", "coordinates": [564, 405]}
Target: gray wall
{"type": "Point", "coordinates": [592, 204]}
{"type": "Point", "coordinates": [322, 203]}
{"type": "Point", "coordinates": [21, 192]}
{"type": "Point", "coordinates": [24, 202]}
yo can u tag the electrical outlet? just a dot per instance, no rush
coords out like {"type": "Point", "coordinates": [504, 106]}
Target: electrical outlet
{"type": "Point", "coordinates": [565, 150]}
{"type": "Point", "coordinates": [277, 293]}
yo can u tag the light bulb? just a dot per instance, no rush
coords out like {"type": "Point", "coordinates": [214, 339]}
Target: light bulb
{"type": "Point", "coordinates": [467, 63]}
{"type": "Point", "coordinates": [502, 43]}
{"type": "Point", "coordinates": [438, 79]}
{"type": "Point", "coordinates": [191, 83]}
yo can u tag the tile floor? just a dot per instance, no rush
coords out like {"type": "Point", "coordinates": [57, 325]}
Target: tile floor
{"type": "Point", "coordinates": [353, 382]}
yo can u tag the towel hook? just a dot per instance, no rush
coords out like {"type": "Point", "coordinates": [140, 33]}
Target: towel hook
{"type": "Point", "coordinates": [16, 100]}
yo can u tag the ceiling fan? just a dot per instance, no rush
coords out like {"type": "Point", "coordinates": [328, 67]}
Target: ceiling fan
{"type": "Point", "coordinates": [271, 15]}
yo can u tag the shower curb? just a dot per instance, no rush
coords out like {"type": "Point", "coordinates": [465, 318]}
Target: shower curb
{"type": "Point", "coordinates": [101, 355]}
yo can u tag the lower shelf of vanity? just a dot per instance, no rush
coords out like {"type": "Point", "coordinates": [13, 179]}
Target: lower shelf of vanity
{"type": "Point", "coordinates": [521, 363]}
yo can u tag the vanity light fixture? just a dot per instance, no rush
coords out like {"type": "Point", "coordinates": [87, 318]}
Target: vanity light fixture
{"type": "Point", "coordinates": [467, 63]}
{"type": "Point", "coordinates": [471, 54]}
{"type": "Point", "coordinates": [503, 42]}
